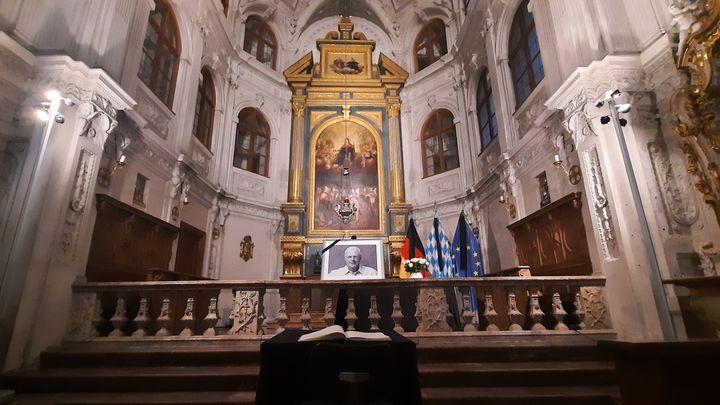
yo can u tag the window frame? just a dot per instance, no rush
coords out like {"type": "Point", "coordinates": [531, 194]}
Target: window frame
{"type": "Point", "coordinates": [437, 116]}
{"type": "Point", "coordinates": [204, 108]}
{"type": "Point", "coordinates": [262, 28]}
{"type": "Point", "coordinates": [429, 39]}
{"type": "Point", "coordinates": [485, 103]}
{"type": "Point", "coordinates": [523, 46]}
{"type": "Point", "coordinates": [163, 46]}
{"type": "Point", "coordinates": [254, 132]}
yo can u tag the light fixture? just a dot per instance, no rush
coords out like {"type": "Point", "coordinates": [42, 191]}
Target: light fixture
{"type": "Point", "coordinates": [49, 107]}
{"type": "Point", "coordinates": [574, 174]}
{"type": "Point", "coordinates": [620, 108]}
{"type": "Point", "coordinates": [42, 115]}
{"type": "Point", "coordinates": [510, 208]}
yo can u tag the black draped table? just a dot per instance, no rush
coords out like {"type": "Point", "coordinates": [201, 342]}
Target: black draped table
{"type": "Point", "coordinates": [286, 372]}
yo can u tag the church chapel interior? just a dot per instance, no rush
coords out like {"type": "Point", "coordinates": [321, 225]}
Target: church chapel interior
{"type": "Point", "coordinates": [178, 180]}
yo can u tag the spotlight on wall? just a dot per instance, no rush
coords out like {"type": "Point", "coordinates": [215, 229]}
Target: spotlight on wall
{"type": "Point", "coordinates": [42, 115]}
{"type": "Point", "coordinates": [49, 108]}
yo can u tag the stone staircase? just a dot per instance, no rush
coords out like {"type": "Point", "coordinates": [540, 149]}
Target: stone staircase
{"type": "Point", "coordinates": [508, 369]}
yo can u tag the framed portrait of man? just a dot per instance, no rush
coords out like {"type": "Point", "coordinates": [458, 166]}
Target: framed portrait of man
{"type": "Point", "coordinates": [353, 260]}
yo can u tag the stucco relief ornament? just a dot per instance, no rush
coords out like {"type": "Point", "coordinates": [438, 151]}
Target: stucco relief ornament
{"type": "Point", "coordinates": [708, 254]}
{"type": "Point", "coordinates": [246, 248]}
{"type": "Point", "coordinates": [686, 16]}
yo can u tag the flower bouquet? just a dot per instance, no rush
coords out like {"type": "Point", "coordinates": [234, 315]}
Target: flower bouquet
{"type": "Point", "coordinates": [417, 267]}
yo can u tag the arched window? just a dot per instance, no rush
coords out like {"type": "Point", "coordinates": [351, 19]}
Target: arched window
{"type": "Point", "coordinates": [486, 110]}
{"type": "Point", "coordinates": [260, 41]}
{"type": "Point", "coordinates": [161, 53]}
{"type": "Point", "coordinates": [525, 61]}
{"type": "Point", "coordinates": [430, 44]}
{"type": "Point", "coordinates": [252, 142]}
{"type": "Point", "coordinates": [440, 152]}
{"type": "Point", "coordinates": [204, 109]}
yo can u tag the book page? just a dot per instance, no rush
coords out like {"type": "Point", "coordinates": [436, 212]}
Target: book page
{"type": "Point", "coordinates": [329, 333]}
{"type": "Point", "coordinates": [377, 336]}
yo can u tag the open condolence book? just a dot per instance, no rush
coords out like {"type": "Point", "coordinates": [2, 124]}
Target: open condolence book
{"type": "Point", "coordinates": [337, 332]}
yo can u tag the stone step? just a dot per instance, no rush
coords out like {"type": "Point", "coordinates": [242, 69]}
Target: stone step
{"type": "Point", "coordinates": [508, 374]}
{"type": "Point", "coordinates": [150, 398]}
{"type": "Point", "coordinates": [522, 395]}
{"type": "Point", "coordinates": [523, 350]}
{"type": "Point", "coordinates": [82, 354]}
{"type": "Point", "coordinates": [134, 379]}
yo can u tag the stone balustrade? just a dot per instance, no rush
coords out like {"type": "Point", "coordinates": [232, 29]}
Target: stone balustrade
{"type": "Point", "coordinates": [190, 309]}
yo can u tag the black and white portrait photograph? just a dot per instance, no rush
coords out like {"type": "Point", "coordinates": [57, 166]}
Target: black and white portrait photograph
{"type": "Point", "coordinates": [353, 260]}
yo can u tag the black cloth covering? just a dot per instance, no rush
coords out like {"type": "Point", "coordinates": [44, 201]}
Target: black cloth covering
{"type": "Point", "coordinates": [287, 375]}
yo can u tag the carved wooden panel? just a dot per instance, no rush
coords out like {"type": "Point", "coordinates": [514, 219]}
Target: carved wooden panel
{"type": "Point", "coordinates": [191, 246]}
{"type": "Point", "coordinates": [127, 242]}
{"type": "Point", "coordinates": [552, 240]}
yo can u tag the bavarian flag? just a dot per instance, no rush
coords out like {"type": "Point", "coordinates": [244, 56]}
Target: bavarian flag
{"type": "Point", "coordinates": [467, 255]}
{"type": "Point", "coordinates": [412, 247]}
{"type": "Point", "coordinates": [439, 252]}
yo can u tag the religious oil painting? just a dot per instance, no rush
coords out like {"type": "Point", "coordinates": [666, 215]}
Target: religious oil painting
{"type": "Point", "coordinates": [347, 184]}
{"type": "Point", "coordinates": [347, 63]}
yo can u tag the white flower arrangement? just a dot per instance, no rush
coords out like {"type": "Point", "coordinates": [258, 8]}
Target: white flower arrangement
{"type": "Point", "coordinates": [415, 265]}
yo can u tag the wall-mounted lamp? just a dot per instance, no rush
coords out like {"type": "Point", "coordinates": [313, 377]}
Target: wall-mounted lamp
{"type": "Point", "coordinates": [510, 208]}
{"type": "Point", "coordinates": [49, 109]}
{"type": "Point", "coordinates": [574, 175]}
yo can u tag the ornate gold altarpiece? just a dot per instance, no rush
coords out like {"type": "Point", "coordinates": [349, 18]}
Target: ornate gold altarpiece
{"type": "Point", "coordinates": [696, 106]}
{"type": "Point", "coordinates": [346, 116]}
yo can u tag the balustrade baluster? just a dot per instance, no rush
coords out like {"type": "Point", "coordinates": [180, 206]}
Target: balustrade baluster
{"type": "Point", "coordinates": [329, 316]}
{"type": "Point", "coordinates": [467, 314]}
{"type": "Point", "coordinates": [142, 319]}
{"type": "Point", "coordinates": [397, 315]}
{"type": "Point", "coordinates": [305, 313]}
{"type": "Point", "coordinates": [516, 317]}
{"type": "Point", "coordinates": [536, 313]}
{"type": "Point", "coordinates": [261, 311]}
{"type": "Point", "coordinates": [119, 319]}
{"type": "Point", "coordinates": [164, 320]}
{"type": "Point", "coordinates": [211, 318]}
{"type": "Point", "coordinates": [97, 319]}
{"type": "Point", "coordinates": [188, 318]}
{"type": "Point", "coordinates": [351, 317]}
{"type": "Point", "coordinates": [558, 311]}
{"type": "Point", "coordinates": [490, 314]}
{"type": "Point", "coordinates": [374, 316]}
{"type": "Point", "coordinates": [579, 309]}
{"type": "Point", "coordinates": [282, 318]}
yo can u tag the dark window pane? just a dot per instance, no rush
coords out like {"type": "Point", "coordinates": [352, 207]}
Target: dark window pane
{"type": "Point", "coordinates": [524, 58]}
{"type": "Point", "coordinates": [430, 44]}
{"type": "Point", "coordinates": [161, 50]}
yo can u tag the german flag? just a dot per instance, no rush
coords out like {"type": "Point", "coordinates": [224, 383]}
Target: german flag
{"type": "Point", "coordinates": [412, 247]}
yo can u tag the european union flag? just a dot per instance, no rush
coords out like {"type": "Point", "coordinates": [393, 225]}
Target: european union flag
{"type": "Point", "coordinates": [467, 255]}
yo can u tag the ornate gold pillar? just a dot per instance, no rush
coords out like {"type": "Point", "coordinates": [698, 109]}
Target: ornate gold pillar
{"type": "Point", "coordinates": [397, 182]}
{"type": "Point", "coordinates": [294, 210]}
{"type": "Point", "coordinates": [296, 151]}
